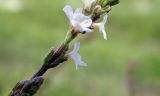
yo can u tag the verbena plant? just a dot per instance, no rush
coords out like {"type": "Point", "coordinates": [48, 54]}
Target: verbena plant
{"type": "Point", "coordinates": [82, 21]}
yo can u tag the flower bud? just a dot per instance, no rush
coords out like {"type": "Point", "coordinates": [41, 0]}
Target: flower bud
{"type": "Point", "coordinates": [88, 4]}
{"type": "Point", "coordinates": [98, 9]}
{"type": "Point", "coordinates": [112, 2]}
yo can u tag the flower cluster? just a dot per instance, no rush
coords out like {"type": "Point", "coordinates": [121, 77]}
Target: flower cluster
{"type": "Point", "coordinates": [84, 23]}
{"type": "Point", "coordinates": [77, 19]}
{"type": "Point", "coordinates": [83, 20]}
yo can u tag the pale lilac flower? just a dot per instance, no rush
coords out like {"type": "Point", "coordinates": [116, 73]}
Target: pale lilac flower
{"type": "Point", "coordinates": [88, 3]}
{"type": "Point", "coordinates": [77, 19]}
{"type": "Point", "coordinates": [76, 57]}
{"type": "Point", "coordinates": [101, 26]}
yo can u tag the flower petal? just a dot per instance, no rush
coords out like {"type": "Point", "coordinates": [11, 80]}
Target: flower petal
{"type": "Point", "coordinates": [79, 11]}
{"type": "Point", "coordinates": [68, 11]}
{"type": "Point", "coordinates": [105, 18]}
{"type": "Point", "coordinates": [87, 30]}
{"type": "Point", "coordinates": [77, 26]}
{"type": "Point", "coordinates": [76, 47]}
{"type": "Point", "coordinates": [76, 57]}
{"type": "Point", "coordinates": [102, 26]}
{"type": "Point", "coordinates": [104, 34]}
{"type": "Point", "coordinates": [104, 22]}
{"type": "Point", "coordinates": [78, 20]}
{"type": "Point", "coordinates": [84, 21]}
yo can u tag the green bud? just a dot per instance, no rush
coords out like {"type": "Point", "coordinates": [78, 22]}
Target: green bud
{"type": "Point", "coordinates": [112, 2]}
{"type": "Point", "coordinates": [105, 3]}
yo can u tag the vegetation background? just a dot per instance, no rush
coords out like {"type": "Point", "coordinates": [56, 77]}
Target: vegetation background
{"type": "Point", "coordinates": [127, 64]}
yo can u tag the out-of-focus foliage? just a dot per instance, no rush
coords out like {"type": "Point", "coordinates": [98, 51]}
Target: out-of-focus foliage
{"type": "Point", "coordinates": [29, 28]}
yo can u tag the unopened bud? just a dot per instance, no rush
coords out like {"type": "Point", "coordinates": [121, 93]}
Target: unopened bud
{"type": "Point", "coordinates": [112, 2]}
{"type": "Point", "coordinates": [88, 4]}
{"type": "Point", "coordinates": [95, 25]}
{"type": "Point", "coordinates": [98, 9]}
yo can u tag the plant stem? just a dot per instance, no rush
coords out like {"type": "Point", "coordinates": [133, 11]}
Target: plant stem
{"type": "Point", "coordinates": [40, 72]}
{"type": "Point", "coordinates": [56, 55]}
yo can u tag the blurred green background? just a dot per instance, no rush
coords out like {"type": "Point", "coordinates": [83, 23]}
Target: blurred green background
{"type": "Point", "coordinates": [127, 64]}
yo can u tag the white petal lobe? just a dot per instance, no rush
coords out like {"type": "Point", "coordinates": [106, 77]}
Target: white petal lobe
{"type": "Point", "coordinates": [76, 57]}
{"type": "Point", "coordinates": [68, 11]}
{"type": "Point", "coordinates": [102, 26]}
{"type": "Point", "coordinates": [79, 11]}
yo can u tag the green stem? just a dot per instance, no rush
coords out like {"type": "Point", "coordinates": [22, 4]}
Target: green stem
{"type": "Point", "coordinates": [70, 36]}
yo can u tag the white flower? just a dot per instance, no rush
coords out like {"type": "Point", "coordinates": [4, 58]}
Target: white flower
{"type": "Point", "coordinates": [88, 3]}
{"type": "Point", "coordinates": [101, 26]}
{"type": "Point", "coordinates": [77, 19]}
{"type": "Point", "coordinates": [76, 57]}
